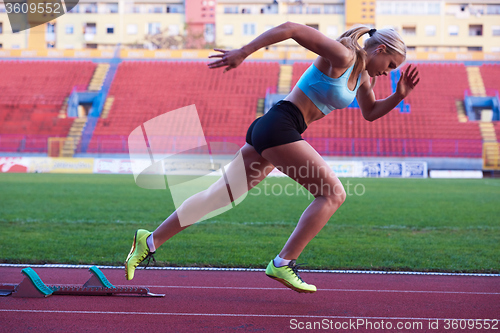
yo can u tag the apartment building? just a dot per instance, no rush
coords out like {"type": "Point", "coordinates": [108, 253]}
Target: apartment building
{"type": "Point", "coordinates": [427, 26]}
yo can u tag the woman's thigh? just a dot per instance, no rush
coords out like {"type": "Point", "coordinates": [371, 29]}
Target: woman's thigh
{"type": "Point", "coordinates": [302, 163]}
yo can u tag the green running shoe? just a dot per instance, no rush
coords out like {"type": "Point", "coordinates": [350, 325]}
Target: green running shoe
{"type": "Point", "coordinates": [138, 253]}
{"type": "Point", "coordinates": [289, 276]}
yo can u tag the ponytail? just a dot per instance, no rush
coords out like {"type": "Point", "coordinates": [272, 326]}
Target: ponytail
{"type": "Point", "coordinates": [350, 40]}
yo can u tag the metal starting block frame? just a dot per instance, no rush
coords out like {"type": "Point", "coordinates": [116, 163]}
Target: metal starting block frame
{"type": "Point", "coordinates": [98, 285]}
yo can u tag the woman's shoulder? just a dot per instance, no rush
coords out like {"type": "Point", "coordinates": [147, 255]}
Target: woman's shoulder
{"type": "Point", "coordinates": [344, 60]}
{"type": "Point", "coordinates": [335, 69]}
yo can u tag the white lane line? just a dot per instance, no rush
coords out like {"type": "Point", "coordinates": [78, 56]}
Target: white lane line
{"type": "Point", "coordinates": [217, 314]}
{"type": "Point", "coordinates": [254, 270]}
{"type": "Point", "coordinates": [335, 290]}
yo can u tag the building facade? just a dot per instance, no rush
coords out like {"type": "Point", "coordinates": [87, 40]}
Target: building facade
{"type": "Point", "coordinates": [427, 26]}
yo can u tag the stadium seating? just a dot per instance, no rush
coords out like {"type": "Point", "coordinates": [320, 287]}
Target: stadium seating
{"type": "Point", "coordinates": [33, 93]}
{"type": "Point", "coordinates": [226, 103]}
{"type": "Point", "coordinates": [491, 79]}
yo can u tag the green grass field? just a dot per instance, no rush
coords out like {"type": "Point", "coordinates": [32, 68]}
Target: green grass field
{"type": "Point", "coordinates": [396, 224]}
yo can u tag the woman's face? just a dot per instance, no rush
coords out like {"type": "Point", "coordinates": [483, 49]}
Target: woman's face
{"type": "Point", "coordinates": [380, 62]}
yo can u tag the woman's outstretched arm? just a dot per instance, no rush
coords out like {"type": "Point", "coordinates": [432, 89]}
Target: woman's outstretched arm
{"type": "Point", "coordinates": [373, 109]}
{"type": "Point", "coordinates": [308, 37]}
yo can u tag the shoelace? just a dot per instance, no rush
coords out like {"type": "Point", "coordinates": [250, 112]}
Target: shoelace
{"type": "Point", "coordinates": [148, 256]}
{"type": "Point", "coordinates": [295, 268]}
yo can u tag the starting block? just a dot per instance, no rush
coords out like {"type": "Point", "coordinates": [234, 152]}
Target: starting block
{"type": "Point", "coordinates": [97, 285]}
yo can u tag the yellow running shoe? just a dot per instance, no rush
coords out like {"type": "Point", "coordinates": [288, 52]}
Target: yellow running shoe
{"type": "Point", "coordinates": [289, 276]}
{"type": "Point", "coordinates": [138, 253]}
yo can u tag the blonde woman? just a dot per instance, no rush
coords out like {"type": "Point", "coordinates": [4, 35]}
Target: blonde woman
{"type": "Point", "coordinates": [342, 71]}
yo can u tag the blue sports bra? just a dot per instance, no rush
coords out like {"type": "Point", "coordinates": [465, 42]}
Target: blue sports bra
{"type": "Point", "coordinates": [325, 92]}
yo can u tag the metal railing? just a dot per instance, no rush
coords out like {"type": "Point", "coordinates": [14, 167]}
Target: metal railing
{"type": "Point", "coordinates": [118, 144]}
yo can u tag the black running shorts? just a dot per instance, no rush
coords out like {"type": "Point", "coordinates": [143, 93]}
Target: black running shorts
{"type": "Point", "coordinates": [283, 123]}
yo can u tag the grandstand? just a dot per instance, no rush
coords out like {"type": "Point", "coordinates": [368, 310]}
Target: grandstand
{"type": "Point", "coordinates": [227, 104]}
{"type": "Point", "coordinates": [33, 94]}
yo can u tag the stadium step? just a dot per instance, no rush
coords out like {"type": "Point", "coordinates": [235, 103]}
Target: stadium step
{"type": "Point", "coordinates": [476, 83]}
{"type": "Point", "coordinates": [462, 117]}
{"type": "Point", "coordinates": [73, 138]}
{"type": "Point", "coordinates": [285, 79]}
{"type": "Point", "coordinates": [98, 78]}
{"type": "Point", "coordinates": [260, 108]}
{"type": "Point", "coordinates": [491, 156]}
{"type": "Point", "coordinates": [107, 106]}
{"type": "Point", "coordinates": [64, 109]}
{"type": "Point", "coordinates": [487, 131]}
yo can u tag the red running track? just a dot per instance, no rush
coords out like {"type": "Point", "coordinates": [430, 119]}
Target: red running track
{"type": "Point", "coordinates": [229, 301]}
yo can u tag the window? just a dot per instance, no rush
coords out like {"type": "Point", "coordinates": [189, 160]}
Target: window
{"type": "Point", "coordinates": [110, 29]}
{"type": "Point", "coordinates": [475, 48]}
{"type": "Point", "coordinates": [493, 9]}
{"type": "Point", "coordinates": [433, 8]}
{"type": "Point", "coordinates": [495, 30]}
{"type": "Point", "coordinates": [1, 28]}
{"type": "Point", "coordinates": [430, 30]}
{"type": "Point", "coordinates": [228, 29]}
{"type": "Point", "coordinates": [90, 8]}
{"type": "Point", "coordinates": [409, 31]}
{"type": "Point", "coordinates": [155, 9]}
{"type": "Point", "coordinates": [231, 10]}
{"type": "Point", "coordinates": [2, 8]}
{"type": "Point", "coordinates": [50, 28]}
{"type": "Point", "coordinates": [295, 9]}
{"type": "Point", "coordinates": [453, 30]}
{"type": "Point", "coordinates": [153, 28]}
{"type": "Point", "coordinates": [332, 31]}
{"type": "Point", "coordinates": [269, 9]}
{"type": "Point", "coordinates": [411, 48]}
{"type": "Point", "coordinates": [493, 49]}
{"type": "Point", "coordinates": [131, 29]}
{"type": "Point", "coordinates": [475, 30]}
{"type": "Point", "coordinates": [74, 10]}
{"type": "Point", "coordinates": [175, 9]}
{"type": "Point", "coordinates": [90, 29]}
{"type": "Point", "coordinates": [51, 45]}
{"type": "Point", "coordinates": [111, 8]}
{"type": "Point", "coordinates": [90, 46]}
{"type": "Point", "coordinates": [1, 46]}
{"type": "Point", "coordinates": [313, 25]}
{"type": "Point", "coordinates": [246, 10]}
{"type": "Point", "coordinates": [333, 9]}
{"type": "Point", "coordinates": [209, 33]}
{"type": "Point", "coordinates": [248, 29]}
{"type": "Point", "coordinates": [69, 29]}
{"type": "Point", "coordinates": [313, 10]}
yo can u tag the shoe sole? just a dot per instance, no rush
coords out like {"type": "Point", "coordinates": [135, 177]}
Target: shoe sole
{"type": "Point", "coordinates": [130, 255]}
{"type": "Point", "coordinates": [289, 285]}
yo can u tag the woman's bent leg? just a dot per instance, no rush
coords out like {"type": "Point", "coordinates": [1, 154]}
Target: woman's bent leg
{"type": "Point", "coordinates": [200, 204]}
{"type": "Point", "coordinates": [303, 164]}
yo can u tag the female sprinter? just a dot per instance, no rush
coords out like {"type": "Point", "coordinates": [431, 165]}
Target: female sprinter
{"type": "Point", "coordinates": [343, 70]}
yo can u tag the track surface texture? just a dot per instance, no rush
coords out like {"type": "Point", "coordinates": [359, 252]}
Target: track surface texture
{"type": "Point", "coordinates": [232, 301]}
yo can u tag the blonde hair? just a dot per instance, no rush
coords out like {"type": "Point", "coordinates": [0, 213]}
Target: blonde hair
{"type": "Point", "coordinates": [388, 37]}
